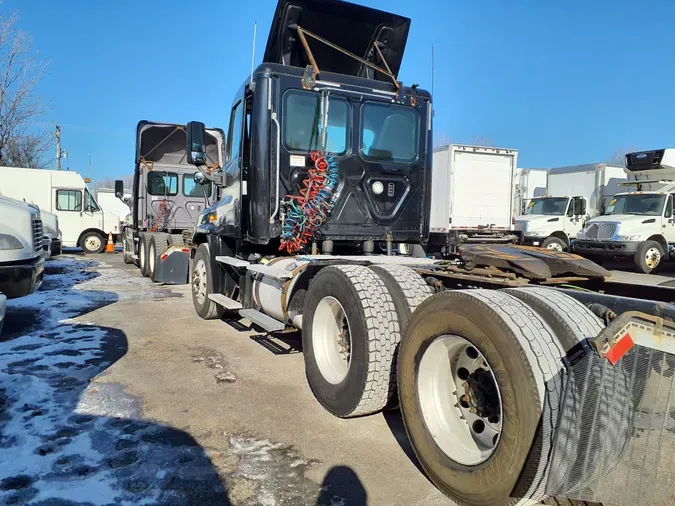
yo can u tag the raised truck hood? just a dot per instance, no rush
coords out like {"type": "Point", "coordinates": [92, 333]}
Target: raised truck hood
{"type": "Point", "coordinates": [352, 27]}
{"type": "Point", "coordinates": [164, 144]}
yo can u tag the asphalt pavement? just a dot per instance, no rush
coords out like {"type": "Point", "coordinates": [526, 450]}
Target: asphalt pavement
{"type": "Point", "coordinates": [116, 392]}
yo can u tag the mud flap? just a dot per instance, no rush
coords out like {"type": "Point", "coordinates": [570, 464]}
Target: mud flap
{"type": "Point", "coordinates": [617, 419]}
{"type": "Point", "coordinates": [173, 265]}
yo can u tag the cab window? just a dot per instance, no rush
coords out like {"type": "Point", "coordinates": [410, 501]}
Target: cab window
{"type": "Point", "coordinates": [389, 132]}
{"type": "Point", "coordinates": [90, 204]}
{"type": "Point", "coordinates": [570, 209]}
{"type": "Point", "coordinates": [163, 183]}
{"type": "Point", "coordinates": [236, 130]}
{"type": "Point", "coordinates": [669, 207]}
{"type": "Point", "coordinates": [302, 122]}
{"type": "Point", "coordinates": [69, 200]}
{"type": "Point", "coordinates": [192, 189]}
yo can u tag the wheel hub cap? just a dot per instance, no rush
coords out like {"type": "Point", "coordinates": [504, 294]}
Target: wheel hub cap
{"type": "Point", "coordinates": [652, 258]}
{"type": "Point", "coordinates": [199, 281]}
{"type": "Point", "coordinates": [460, 400]}
{"type": "Point", "coordinates": [331, 340]}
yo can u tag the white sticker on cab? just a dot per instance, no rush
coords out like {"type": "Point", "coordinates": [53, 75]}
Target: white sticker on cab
{"type": "Point", "coordinates": [298, 161]}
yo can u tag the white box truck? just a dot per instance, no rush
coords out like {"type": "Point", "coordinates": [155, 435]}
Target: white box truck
{"type": "Point", "coordinates": [82, 221]}
{"type": "Point", "coordinates": [637, 224]}
{"type": "Point", "coordinates": [112, 204]}
{"type": "Point", "coordinates": [530, 183]}
{"type": "Point", "coordinates": [472, 195]}
{"type": "Point", "coordinates": [21, 254]}
{"type": "Point", "coordinates": [574, 194]}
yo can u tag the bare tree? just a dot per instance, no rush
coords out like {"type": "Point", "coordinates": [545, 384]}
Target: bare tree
{"type": "Point", "coordinates": [22, 142]}
{"type": "Point", "coordinates": [27, 151]}
{"type": "Point", "coordinates": [618, 156]}
{"type": "Point", "coordinates": [110, 183]}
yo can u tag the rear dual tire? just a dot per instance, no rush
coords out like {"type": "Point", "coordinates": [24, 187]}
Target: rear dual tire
{"type": "Point", "coordinates": [523, 335]}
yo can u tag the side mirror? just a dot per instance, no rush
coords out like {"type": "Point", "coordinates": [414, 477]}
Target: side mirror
{"type": "Point", "coordinates": [579, 207]}
{"type": "Point", "coordinates": [199, 178]}
{"type": "Point", "coordinates": [195, 148]}
{"type": "Point", "coordinates": [119, 189]}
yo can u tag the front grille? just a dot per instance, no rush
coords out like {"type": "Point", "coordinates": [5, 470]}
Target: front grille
{"type": "Point", "coordinates": [37, 233]}
{"type": "Point", "coordinates": [600, 230]}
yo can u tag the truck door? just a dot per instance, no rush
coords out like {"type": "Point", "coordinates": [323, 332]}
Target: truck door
{"type": "Point", "coordinates": [668, 225]}
{"type": "Point", "coordinates": [69, 207]}
{"type": "Point", "coordinates": [229, 206]}
{"type": "Point", "coordinates": [573, 223]}
{"type": "Point", "coordinates": [92, 216]}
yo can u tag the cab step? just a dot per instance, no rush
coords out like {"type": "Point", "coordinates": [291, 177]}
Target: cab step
{"type": "Point", "coordinates": [233, 261]}
{"type": "Point", "coordinates": [225, 301]}
{"type": "Point", "coordinates": [262, 320]}
{"type": "Point", "coordinates": [270, 271]}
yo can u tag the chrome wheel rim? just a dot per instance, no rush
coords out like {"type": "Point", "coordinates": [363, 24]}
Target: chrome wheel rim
{"type": "Point", "coordinates": [554, 246]}
{"type": "Point", "coordinates": [151, 258]}
{"type": "Point", "coordinates": [331, 340]}
{"type": "Point", "coordinates": [460, 400]}
{"type": "Point", "coordinates": [652, 257]}
{"type": "Point", "coordinates": [142, 254]}
{"type": "Point", "coordinates": [93, 243]}
{"type": "Point", "coordinates": [199, 281]}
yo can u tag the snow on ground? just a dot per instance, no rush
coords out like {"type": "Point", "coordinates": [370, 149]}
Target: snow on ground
{"type": "Point", "coordinates": [66, 442]}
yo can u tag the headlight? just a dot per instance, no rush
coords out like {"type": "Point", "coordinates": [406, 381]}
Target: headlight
{"type": "Point", "coordinates": [629, 237]}
{"type": "Point", "coordinates": [9, 242]}
{"type": "Point", "coordinates": [536, 233]}
{"type": "Point", "coordinates": [581, 234]}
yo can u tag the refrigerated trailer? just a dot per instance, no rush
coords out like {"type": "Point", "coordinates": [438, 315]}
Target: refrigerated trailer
{"type": "Point", "coordinates": [574, 194]}
{"type": "Point", "coordinates": [472, 195]}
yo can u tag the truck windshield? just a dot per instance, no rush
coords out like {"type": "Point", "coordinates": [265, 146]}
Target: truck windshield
{"type": "Point", "coordinates": [389, 132]}
{"type": "Point", "coordinates": [555, 207]}
{"type": "Point", "coordinates": [645, 204]}
{"type": "Point", "coordinates": [302, 122]}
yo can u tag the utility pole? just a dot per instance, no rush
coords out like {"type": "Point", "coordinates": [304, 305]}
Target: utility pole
{"type": "Point", "coordinates": [57, 134]}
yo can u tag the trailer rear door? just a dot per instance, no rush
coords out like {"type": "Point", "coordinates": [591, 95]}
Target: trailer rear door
{"type": "Point", "coordinates": [482, 184]}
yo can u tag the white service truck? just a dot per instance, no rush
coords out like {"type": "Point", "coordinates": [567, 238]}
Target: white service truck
{"type": "Point", "coordinates": [472, 195]}
{"type": "Point", "coordinates": [21, 258]}
{"type": "Point", "coordinates": [637, 224]}
{"type": "Point", "coordinates": [530, 183]}
{"type": "Point", "coordinates": [107, 199]}
{"type": "Point", "coordinates": [573, 195]}
{"type": "Point", "coordinates": [82, 221]}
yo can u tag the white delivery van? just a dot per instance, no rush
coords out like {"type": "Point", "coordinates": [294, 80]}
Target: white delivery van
{"type": "Point", "coordinates": [637, 224]}
{"type": "Point", "coordinates": [472, 195]}
{"type": "Point", "coordinates": [530, 183]}
{"type": "Point", "coordinates": [82, 221]}
{"type": "Point", "coordinates": [574, 194]}
{"type": "Point", "coordinates": [107, 200]}
{"type": "Point", "coordinates": [21, 257]}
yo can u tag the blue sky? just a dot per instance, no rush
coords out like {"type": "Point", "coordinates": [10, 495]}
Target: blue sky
{"type": "Point", "coordinates": [562, 82]}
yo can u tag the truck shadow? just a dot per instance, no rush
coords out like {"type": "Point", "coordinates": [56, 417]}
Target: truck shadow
{"type": "Point", "coordinates": [66, 439]}
{"type": "Point", "coordinates": [342, 484]}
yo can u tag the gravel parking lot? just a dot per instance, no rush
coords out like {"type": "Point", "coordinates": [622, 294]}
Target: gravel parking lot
{"type": "Point", "coordinates": [113, 391]}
